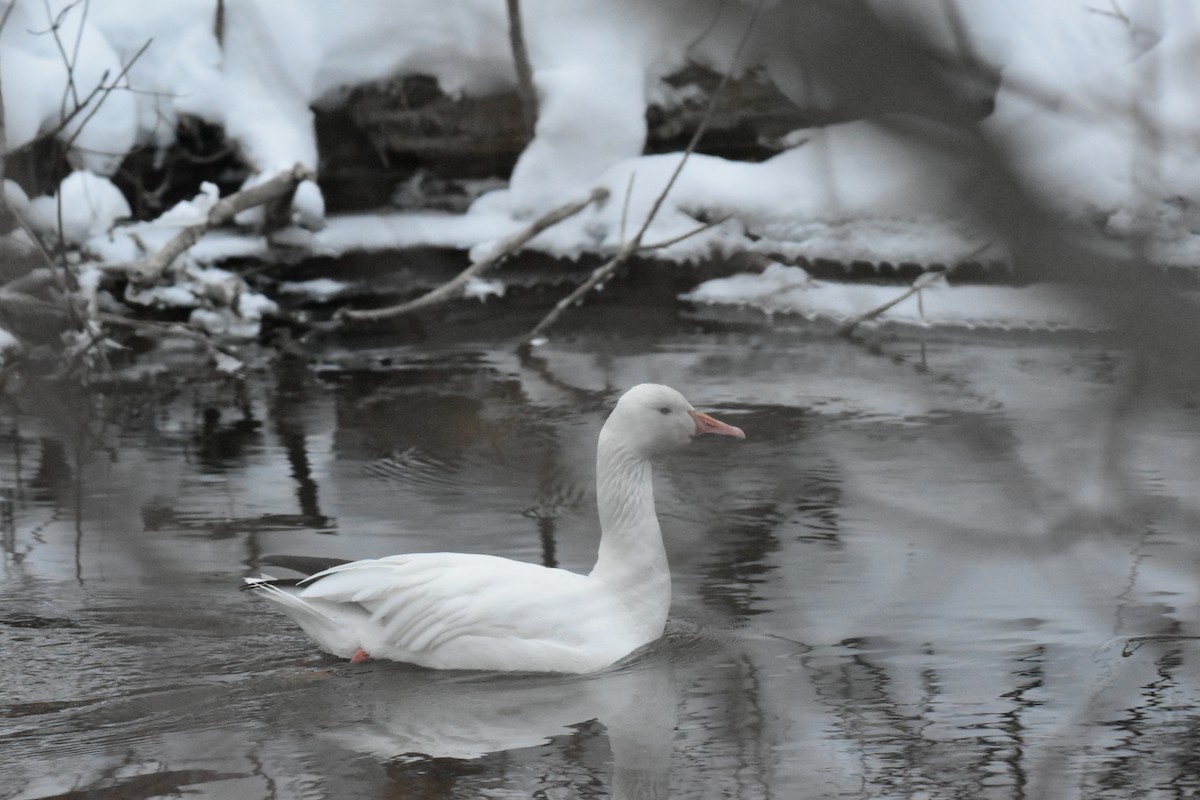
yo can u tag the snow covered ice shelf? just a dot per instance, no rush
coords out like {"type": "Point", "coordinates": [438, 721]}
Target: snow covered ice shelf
{"type": "Point", "coordinates": [782, 289]}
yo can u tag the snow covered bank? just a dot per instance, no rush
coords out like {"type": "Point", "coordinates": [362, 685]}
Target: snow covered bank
{"type": "Point", "coordinates": [1094, 106]}
{"type": "Point", "coordinates": [1073, 77]}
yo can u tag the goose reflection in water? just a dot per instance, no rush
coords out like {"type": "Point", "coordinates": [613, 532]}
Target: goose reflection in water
{"type": "Point", "coordinates": [422, 715]}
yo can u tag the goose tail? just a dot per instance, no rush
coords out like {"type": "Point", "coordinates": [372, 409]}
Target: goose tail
{"type": "Point", "coordinates": [332, 625]}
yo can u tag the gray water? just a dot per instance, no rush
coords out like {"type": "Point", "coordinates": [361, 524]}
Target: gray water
{"type": "Point", "coordinates": [939, 566]}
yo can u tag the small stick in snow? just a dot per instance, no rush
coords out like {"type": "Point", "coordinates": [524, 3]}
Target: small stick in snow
{"type": "Point", "coordinates": [924, 280]}
{"type": "Point", "coordinates": [454, 287]}
{"type": "Point", "coordinates": [712, 223]}
{"type": "Point", "coordinates": [225, 209]}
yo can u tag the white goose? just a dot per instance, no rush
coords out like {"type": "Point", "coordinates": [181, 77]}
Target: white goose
{"type": "Point", "coordinates": [467, 611]}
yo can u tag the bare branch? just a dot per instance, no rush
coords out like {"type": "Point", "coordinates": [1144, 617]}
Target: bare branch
{"type": "Point", "coordinates": [525, 88]}
{"type": "Point", "coordinates": [701, 129]}
{"type": "Point", "coordinates": [505, 248]}
{"type": "Point", "coordinates": [601, 273]}
{"type": "Point", "coordinates": [224, 210]}
{"type": "Point", "coordinates": [606, 270]}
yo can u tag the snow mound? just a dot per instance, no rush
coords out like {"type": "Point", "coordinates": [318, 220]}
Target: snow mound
{"type": "Point", "coordinates": [90, 205]}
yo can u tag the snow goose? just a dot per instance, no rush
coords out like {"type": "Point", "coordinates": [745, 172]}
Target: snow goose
{"type": "Point", "coordinates": [481, 612]}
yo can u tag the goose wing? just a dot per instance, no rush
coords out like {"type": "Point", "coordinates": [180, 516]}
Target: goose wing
{"type": "Point", "coordinates": [421, 602]}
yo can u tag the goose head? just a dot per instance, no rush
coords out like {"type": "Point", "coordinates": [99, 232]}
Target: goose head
{"type": "Point", "coordinates": [652, 418]}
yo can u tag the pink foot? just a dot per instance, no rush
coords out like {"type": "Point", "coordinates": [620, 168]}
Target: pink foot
{"type": "Point", "coordinates": [360, 656]}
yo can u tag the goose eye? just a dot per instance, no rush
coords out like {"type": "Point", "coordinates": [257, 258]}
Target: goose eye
{"type": "Point", "coordinates": [664, 410]}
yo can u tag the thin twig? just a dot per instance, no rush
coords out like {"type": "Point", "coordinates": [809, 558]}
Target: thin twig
{"type": "Point", "coordinates": [64, 121]}
{"type": "Point", "coordinates": [701, 129]}
{"type": "Point", "coordinates": [71, 90]}
{"type": "Point", "coordinates": [606, 270]}
{"type": "Point", "coordinates": [100, 88]}
{"type": "Point", "coordinates": [106, 91]}
{"type": "Point", "coordinates": [693, 232]}
{"type": "Point", "coordinates": [924, 280]}
{"type": "Point", "coordinates": [599, 274]}
{"type": "Point", "coordinates": [453, 288]}
{"type": "Point", "coordinates": [625, 206]}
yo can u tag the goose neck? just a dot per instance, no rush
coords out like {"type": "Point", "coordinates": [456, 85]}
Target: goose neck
{"type": "Point", "coordinates": [630, 537]}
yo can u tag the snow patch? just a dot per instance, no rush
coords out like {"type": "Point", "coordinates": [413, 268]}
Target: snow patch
{"type": "Point", "coordinates": [308, 206]}
{"type": "Point", "coordinates": [244, 323]}
{"type": "Point", "coordinates": [10, 346]}
{"type": "Point", "coordinates": [221, 302]}
{"type": "Point", "coordinates": [190, 212]}
{"type": "Point", "coordinates": [483, 289]}
{"type": "Point", "coordinates": [319, 290]}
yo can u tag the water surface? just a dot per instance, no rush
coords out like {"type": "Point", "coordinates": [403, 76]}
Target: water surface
{"type": "Point", "coordinates": [943, 565]}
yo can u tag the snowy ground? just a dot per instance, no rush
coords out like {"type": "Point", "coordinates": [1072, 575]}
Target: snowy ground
{"type": "Point", "coordinates": [1096, 108]}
